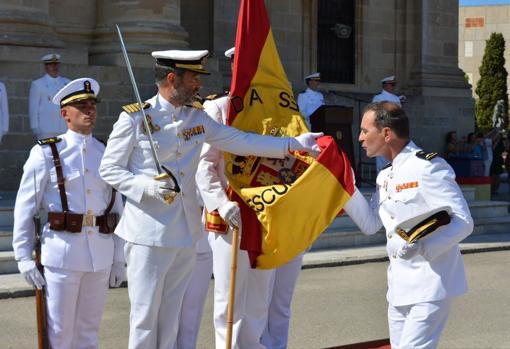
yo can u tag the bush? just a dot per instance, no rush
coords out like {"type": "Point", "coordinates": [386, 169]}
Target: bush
{"type": "Point", "coordinates": [492, 85]}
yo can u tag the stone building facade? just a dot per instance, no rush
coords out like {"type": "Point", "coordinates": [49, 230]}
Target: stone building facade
{"type": "Point", "coordinates": [356, 42]}
{"type": "Point", "coordinates": [476, 24]}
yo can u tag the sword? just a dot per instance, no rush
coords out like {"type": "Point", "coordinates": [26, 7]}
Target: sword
{"type": "Point", "coordinates": [163, 171]}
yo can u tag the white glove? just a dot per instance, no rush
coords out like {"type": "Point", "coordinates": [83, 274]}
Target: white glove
{"type": "Point", "coordinates": [31, 274]}
{"type": "Point", "coordinates": [306, 142]}
{"type": "Point", "coordinates": [408, 251]}
{"type": "Point", "coordinates": [117, 274]}
{"type": "Point", "coordinates": [231, 213]}
{"type": "Point", "coordinates": [159, 190]}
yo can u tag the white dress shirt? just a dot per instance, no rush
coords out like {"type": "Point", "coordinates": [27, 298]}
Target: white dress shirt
{"type": "Point", "coordinates": [308, 102]}
{"type": "Point", "coordinates": [388, 97]}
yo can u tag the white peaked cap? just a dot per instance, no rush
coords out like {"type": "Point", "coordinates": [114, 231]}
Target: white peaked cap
{"type": "Point", "coordinates": [77, 90]}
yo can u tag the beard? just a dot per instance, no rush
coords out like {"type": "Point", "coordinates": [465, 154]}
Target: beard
{"type": "Point", "coordinates": [183, 95]}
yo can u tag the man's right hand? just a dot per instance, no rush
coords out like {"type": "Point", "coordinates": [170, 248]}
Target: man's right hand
{"type": "Point", "coordinates": [231, 213]}
{"type": "Point", "coordinates": [160, 190]}
{"type": "Point", "coordinates": [32, 275]}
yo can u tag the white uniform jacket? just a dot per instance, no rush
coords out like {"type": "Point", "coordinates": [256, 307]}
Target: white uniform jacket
{"type": "Point", "coordinates": [386, 96]}
{"type": "Point", "coordinates": [211, 179]}
{"type": "Point", "coordinates": [128, 165]}
{"type": "Point", "coordinates": [44, 115]}
{"type": "Point", "coordinates": [87, 193]}
{"type": "Point", "coordinates": [308, 102]}
{"type": "Point", "coordinates": [4, 111]}
{"type": "Point", "coordinates": [410, 187]}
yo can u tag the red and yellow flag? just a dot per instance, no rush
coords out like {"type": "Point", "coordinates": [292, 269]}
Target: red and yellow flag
{"type": "Point", "coordinates": [285, 203]}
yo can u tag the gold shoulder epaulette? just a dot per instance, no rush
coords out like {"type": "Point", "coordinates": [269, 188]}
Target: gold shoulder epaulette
{"type": "Point", "coordinates": [134, 107]}
{"type": "Point", "coordinates": [195, 104]}
{"type": "Point", "coordinates": [216, 96]}
{"type": "Point", "coordinates": [425, 156]}
{"type": "Point", "coordinates": [46, 141]}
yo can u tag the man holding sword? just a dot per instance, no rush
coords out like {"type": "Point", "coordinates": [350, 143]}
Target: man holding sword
{"type": "Point", "coordinates": [161, 226]}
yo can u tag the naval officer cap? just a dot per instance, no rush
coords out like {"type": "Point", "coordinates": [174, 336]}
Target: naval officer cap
{"type": "Point", "coordinates": [77, 90]}
{"type": "Point", "coordinates": [313, 76]}
{"type": "Point", "coordinates": [51, 58]}
{"type": "Point", "coordinates": [230, 52]}
{"type": "Point", "coordinates": [389, 79]}
{"type": "Point", "coordinates": [194, 61]}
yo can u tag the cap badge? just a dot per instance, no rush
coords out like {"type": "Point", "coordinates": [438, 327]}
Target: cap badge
{"type": "Point", "coordinates": [87, 86]}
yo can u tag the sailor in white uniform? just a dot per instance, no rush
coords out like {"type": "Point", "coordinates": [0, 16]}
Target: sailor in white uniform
{"type": "Point", "coordinates": [388, 87]}
{"type": "Point", "coordinates": [161, 226]}
{"type": "Point", "coordinates": [424, 276]}
{"type": "Point", "coordinates": [252, 286]}
{"type": "Point", "coordinates": [45, 120]}
{"type": "Point", "coordinates": [4, 111]}
{"type": "Point", "coordinates": [80, 254]}
{"type": "Point", "coordinates": [311, 99]}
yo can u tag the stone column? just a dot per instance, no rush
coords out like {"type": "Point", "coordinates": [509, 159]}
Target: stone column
{"type": "Point", "coordinates": [439, 98]}
{"type": "Point", "coordinates": [147, 25]}
{"type": "Point", "coordinates": [27, 23]}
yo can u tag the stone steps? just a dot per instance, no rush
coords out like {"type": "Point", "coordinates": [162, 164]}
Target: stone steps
{"type": "Point", "coordinates": [490, 217]}
{"type": "Point", "coordinates": [345, 237]}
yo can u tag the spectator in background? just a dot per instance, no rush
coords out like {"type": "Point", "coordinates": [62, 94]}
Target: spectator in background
{"type": "Point", "coordinates": [496, 167]}
{"type": "Point", "coordinates": [473, 146]}
{"type": "Point", "coordinates": [452, 146]}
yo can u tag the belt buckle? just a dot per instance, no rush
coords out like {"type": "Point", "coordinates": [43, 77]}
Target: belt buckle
{"type": "Point", "coordinates": [89, 220]}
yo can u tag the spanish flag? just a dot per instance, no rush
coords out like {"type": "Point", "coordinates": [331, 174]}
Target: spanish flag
{"type": "Point", "coordinates": [285, 203]}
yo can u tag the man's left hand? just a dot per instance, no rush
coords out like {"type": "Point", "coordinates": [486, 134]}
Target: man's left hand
{"type": "Point", "coordinates": [117, 274]}
{"type": "Point", "coordinates": [408, 251]}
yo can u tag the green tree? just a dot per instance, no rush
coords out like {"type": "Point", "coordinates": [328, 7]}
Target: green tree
{"type": "Point", "coordinates": [492, 85]}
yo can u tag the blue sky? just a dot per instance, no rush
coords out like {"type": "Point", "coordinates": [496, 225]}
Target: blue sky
{"type": "Point", "coordinates": [483, 2]}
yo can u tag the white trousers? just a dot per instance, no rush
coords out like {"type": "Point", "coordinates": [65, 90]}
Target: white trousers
{"type": "Point", "coordinates": [251, 296]}
{"type": "Point", "coordinates": [75, 302]}
{"type": "Point", "coordinates": [276, 334]}
{"type": "Point", "coordinates": [157, 280]}
{"type": "Point", "coordinates": [418, 326]}
{"type": "Point", "coordinates": [194, 301]}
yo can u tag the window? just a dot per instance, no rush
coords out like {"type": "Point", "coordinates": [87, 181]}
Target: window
{"type": "Point", "coordinates": [468, 48]}
{"type": "Point", "coordinates": [335, 41]}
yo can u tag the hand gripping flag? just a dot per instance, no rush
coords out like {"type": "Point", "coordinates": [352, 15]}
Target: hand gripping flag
{"type": "Point", "coordinates": [285, 203]}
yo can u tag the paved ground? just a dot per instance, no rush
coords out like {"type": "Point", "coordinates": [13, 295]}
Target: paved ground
{"type": "Point", "coordinates": [332, 306]}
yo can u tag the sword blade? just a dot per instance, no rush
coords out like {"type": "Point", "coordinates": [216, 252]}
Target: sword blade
{"type": "Point", "coordinates": [139, 101]}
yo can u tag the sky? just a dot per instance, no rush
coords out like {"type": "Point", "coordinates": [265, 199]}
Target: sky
{"type": "Point", "coordinates": [483, 2]}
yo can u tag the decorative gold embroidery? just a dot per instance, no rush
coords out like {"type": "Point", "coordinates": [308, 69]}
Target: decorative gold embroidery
{"type": "Point", "coordinates": [153, 128]}
{"type": "Point", "coordinates": [194, 131]}
{"type": "Point", "coordinates": [404, 186]}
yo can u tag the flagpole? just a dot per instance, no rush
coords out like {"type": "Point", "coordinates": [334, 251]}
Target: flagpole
{"type": "Point", "coordinates": [231, 296]}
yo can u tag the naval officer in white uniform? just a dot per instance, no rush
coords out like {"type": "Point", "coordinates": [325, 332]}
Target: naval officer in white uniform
{"type": "Point", "coordinates": [161, 236]}
{"type": "Point", "coordinates": [388, 87]}
{"type": "Point", "coordinates": [425, 276]}
{"type": "Point", "coordinates": [44, 115]}
{"type": "Point", "coordinates": [80, 255]}
{"type": "Point", "coordinates": [311, 99]}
